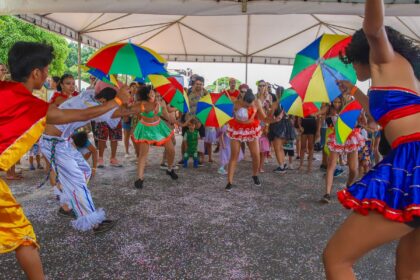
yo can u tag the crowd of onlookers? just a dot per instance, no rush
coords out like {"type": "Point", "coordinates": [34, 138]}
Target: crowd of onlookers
{"type": "Point", "coordinates": [289, 140]}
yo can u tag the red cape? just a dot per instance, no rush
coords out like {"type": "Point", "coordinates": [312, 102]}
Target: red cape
{"type": "Point", "coordinates": [22, 121]}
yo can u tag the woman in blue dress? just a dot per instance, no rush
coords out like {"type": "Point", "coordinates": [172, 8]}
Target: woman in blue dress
{"type": "Point", "coordinates": [386, 201]}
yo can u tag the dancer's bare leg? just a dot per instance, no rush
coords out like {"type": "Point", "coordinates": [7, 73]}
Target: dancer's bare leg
{"type": "Point", "coordinates": [278, 150]}
{"type": "Point", "coordinates": [329, 177]}
{"type": "Point", "coordinates": [408, 256]}
{"type": "Point", "coordinates": [30, 261]}
{"type": "Point", "coordinates": [235, 147]}
{"type": "Point", "coordinates": [254, 148]}
{"type": "Point", "coordinates": [311, 140]}
{"type": "Point", "coordinates": [170, 154]}
{"type": "Point", "coordinates": [352, 161]}
{"type": "Point", "coordinates": [144, 150]}
{"type": "Point", "coordinates": [354, 238]}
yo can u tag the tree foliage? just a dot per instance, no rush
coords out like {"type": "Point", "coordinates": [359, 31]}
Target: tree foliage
{"type": "Point", "coordinates": [221, 84]}
{"type": "Point", "coordinates": [71, 62]}
{"type": "Point", "coordinates": [13, 30]}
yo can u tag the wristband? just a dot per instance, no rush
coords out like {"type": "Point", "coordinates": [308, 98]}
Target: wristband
{"type": "Point", "coordinates": [118, 101]}
{"type": "Point", "coordinates": [353, 90]}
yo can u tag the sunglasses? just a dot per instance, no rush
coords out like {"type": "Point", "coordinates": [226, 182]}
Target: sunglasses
{"type": "Point", "coordinates": [261, 85]}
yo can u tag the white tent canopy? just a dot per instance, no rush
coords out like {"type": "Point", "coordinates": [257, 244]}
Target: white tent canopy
{"type": "Point", "coordinates": [257, 31]}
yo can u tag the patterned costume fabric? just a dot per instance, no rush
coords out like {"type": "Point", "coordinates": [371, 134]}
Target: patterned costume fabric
{"type": "Point", "coordinates": [72, 170]}
{"type": "Point", "coordinates": [392, 187]}
{"type": "Point", "coordinates": [73, 173]}
{"type": "Point", "coordinates": [245, 132]}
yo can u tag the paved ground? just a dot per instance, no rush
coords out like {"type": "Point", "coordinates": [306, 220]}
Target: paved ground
{"type": "Point", "coordinates": [192, 228]}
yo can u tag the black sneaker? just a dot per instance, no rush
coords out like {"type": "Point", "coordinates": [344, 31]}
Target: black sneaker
{"type": "Point", "coordinates": [280, 170]}
{"type": "Point", "coordinates": [66, 214]}
{"type": "Point", "coordinates": [105, 226]}
{"type": "Point", "coordinates": [138, 184]}
{"type": "Point", "coordinates": [326, 198]}
{"type": "Point", "coordinates": [256, 181]}
{"type": "Point", "coordinates": [172, 174]}
{"type": "Point", "coordinates": [228, 187]}
{"type": "Point", "coordinates": [338, 172]}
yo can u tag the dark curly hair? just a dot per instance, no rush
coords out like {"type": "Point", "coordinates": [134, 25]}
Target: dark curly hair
{"type": "Point", "coordinates": [80, 139]}
{"type": "Point", "coordinates": [143, 93]}
{"type": "Point", "coordinates": [358, 49]}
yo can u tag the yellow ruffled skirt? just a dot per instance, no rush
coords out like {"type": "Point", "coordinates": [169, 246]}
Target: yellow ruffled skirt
{"type": "Point", "coordinates": [15, 228]}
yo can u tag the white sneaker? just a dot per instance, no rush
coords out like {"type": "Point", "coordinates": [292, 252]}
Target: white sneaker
{"type": "Point", "coordinates": [127, 156]}
{"type": "Point", "coordinates": [222, 171]}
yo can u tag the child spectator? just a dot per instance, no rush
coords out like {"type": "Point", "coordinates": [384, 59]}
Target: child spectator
{"type": "Point", "coordinates": [83, 145]}
{"type": "Point", "coordinates": [191, 138]}
{"type": "Point", "coordinates": [289, 151]}
{"type": "Point", "coordinates": [35, 152]}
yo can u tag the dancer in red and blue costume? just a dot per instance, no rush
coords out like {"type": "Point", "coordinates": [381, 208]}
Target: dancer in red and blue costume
{"type": "Point", "coordinates": [386, 201]}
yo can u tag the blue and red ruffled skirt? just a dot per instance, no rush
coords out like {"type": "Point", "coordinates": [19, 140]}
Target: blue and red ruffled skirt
{"type": "Point", "coordinates": [392, 187]}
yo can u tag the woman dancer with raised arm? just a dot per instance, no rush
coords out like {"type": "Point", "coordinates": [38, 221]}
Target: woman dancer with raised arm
{"type": "Point", "coordinates": [245, 127]}
{"type": "Point", "coordinates": [386, 201]}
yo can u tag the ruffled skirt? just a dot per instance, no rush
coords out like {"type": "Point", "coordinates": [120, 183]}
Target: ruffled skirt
{"type": "Point", "coordinates": [244, 132]}
{"type": "Point", "coordinates": [156, 133]}
{"type": "Point", "coordinates": [392, 187]}
{"type": "Point", "coordinates": [354, 142]}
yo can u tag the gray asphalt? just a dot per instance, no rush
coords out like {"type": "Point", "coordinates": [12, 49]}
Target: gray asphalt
{"type": "Point", "coordinates": [192, 228]}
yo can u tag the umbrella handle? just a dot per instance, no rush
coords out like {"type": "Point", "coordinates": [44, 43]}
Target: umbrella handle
{"type": "Point", "coordinates": [329, 71]}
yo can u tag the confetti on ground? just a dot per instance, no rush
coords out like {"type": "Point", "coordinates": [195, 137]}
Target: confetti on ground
{"type": "Point", "coordinates": [192, 228]}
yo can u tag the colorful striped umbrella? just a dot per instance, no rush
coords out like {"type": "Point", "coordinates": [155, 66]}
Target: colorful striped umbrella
{"type": "Point", "coordinates": [214, 109]}
{"type": "Point", "coordinates": [126, 58]}
{"type": "Point", "coordinates": [293, 105]}
{"type": "Point", "coordinates": [346, 121]}
{"type": "Point", "coordinates": [109, 79]}
{"type": "Point", "coordinates": [171, 91]}
{"type": "Point", "coordinates": [317, 68]}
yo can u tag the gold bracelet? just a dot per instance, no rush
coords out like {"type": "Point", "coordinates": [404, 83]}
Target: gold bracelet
{"type": "Point", "coordinates": [118, 100]}
{"type": "Point", "coordinates": [353, 90]}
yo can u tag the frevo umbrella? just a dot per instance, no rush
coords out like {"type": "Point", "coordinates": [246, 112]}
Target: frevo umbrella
{"type": "Point", "coordinates": [171, 91]}
{"type": "Point", "coordinates": [293, 105]}
{"type": "Point", "coordinates": [109, 79]}
{"type": "Point", "coordinates": [126, 58]}
{"type": "Point", "coordinates": [214, 110]}
{"type": "Point", "coordinates": [318, 66]}
{"type": "Point", "coordinates": [346, 121]}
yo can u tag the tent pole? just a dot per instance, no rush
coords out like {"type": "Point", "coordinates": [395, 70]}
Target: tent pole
{"type": "Point", "coordinates": [246, 71]}
{"type": "Point", "coordinates": [79, 61]}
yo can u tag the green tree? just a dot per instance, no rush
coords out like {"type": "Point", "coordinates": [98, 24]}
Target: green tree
{"type": "Point", "coordinates": [71, 61]}
{"type": "Point", "coordinates": [13, 30]}
{"type": "Point", "coordinates": [221, 84]}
